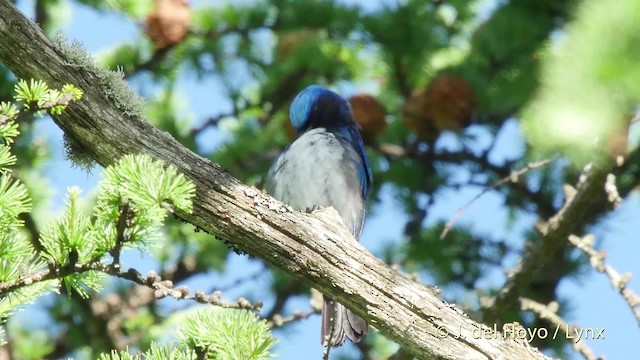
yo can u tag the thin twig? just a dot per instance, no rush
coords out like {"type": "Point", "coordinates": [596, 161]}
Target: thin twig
{"type": "Point", "coordinates": [121, 226]}
{"type": "Point", "coordinates": [34, 108]}
{"type": "Point", "coordinates": [618, 282]}
{"type": "Point", "coordinates": [550, 313]}
{"type": "Point", "coordinates": [211, 121]}
{"type": "Point", "coordinates": [278, 321]}
{"type": "Point", "coordinates": [163, 288]}
{"type": "Point", "coordinates": [513, 177]}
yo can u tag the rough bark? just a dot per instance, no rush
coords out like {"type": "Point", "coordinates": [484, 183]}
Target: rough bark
{"type": "Point", "coordinates": [316, 248]}
{"type": "Point", "coordinates": [588, 204]}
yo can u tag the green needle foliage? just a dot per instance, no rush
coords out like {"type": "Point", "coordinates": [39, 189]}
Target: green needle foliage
{"type": "Point", "coordinates": [211, 333]}
{"type": "Point", "coordinates": [133, 200]}
{"type": "Point", "coordinates": [149, 191]}
{"type": "Point", "coordinates": [224, 334]}
{"type": "Point", "coordinates": [155, 352]}
{"type": "Point", "coordinates": [16, 253]}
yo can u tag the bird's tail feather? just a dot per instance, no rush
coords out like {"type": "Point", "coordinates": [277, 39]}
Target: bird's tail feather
{"type": "Point", "coordinates": [338, 322]}
{"type": "Point", "coordinates": [355, 328]}
{"type": "Point", "coordinates": [332, 318]}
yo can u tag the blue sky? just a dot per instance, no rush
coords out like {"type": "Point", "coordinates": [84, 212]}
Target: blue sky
{"type": "Point", "coordinates": [594, 303]}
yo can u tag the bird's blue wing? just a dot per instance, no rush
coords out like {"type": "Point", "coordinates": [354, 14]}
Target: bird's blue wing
{"type": "Point", "coordinates": [364, 169]}
{"type": "Point", "coordinates": [365, 178]}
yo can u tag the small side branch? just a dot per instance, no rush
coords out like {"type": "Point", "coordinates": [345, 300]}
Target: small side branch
{"type": "Point", "coordinates": [550, 313]}
{"type": "Point", "coordinates": [280, 321]}
{"type": "Point", "coordinates": [618, 282]}
{"type": "Point", "coordinates": [124, 222]}
{"type": "Point", "coordinates": [162, 288]}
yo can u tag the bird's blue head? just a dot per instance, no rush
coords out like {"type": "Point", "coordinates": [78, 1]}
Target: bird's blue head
{"type": "Point", "coordinates": [317, 106]}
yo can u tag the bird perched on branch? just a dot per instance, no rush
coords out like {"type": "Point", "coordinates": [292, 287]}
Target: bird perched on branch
{"type": "Point", "coordinates": [326, 166]}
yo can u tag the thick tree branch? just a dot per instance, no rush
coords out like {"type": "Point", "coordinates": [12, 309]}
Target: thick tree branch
{"type": "Point", "coordinates": [316, 248]}
{"type": "Point", "coordinates": [582, 208]}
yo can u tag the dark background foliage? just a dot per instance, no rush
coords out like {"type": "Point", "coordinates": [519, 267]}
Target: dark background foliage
{"type": "Point", "coordinates": [437, 86]}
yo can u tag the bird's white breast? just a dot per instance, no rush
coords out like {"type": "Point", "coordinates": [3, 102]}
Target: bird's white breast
{"type": "Point", "coordinates": [319, 169]}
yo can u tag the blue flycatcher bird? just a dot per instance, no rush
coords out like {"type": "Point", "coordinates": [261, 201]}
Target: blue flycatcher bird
{"type": "Point", "coordinates": [326, 166]}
